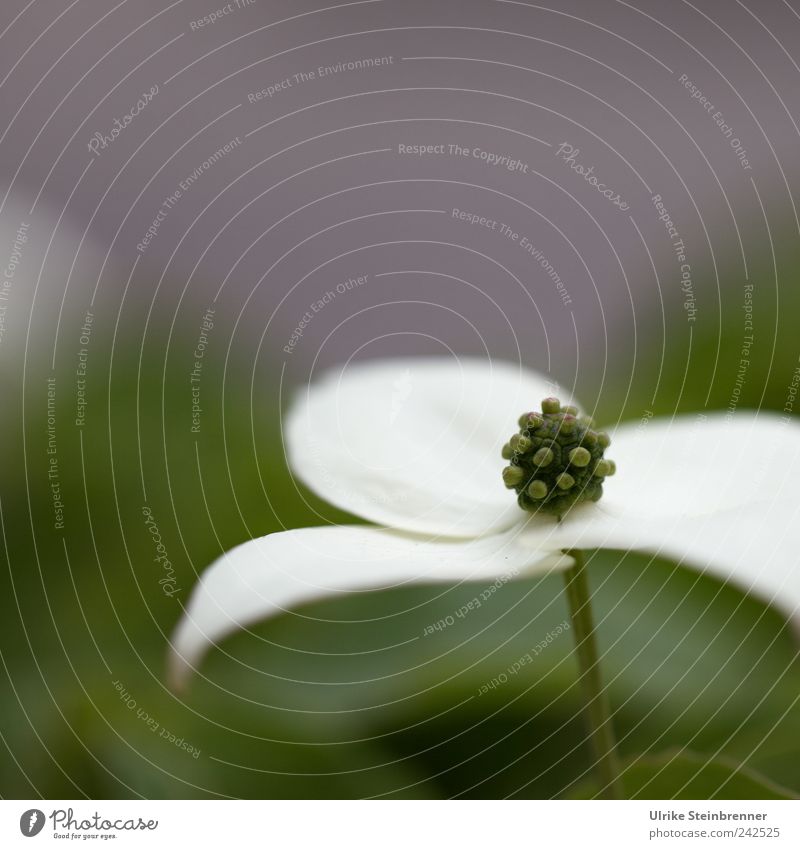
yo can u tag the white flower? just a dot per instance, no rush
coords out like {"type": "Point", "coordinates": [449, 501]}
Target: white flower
{"type": "Point", "coordinates": [716, 492]}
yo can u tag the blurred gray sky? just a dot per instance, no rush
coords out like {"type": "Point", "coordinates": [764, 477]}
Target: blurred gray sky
{"type": "Point", "coordinates": [315, 187]}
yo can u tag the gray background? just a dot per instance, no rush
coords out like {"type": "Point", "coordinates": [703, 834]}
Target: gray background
{"type": "Point", "coordinates": [303, 204]}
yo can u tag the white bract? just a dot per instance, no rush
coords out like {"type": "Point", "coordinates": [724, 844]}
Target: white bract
{"type": "Point", "coordinates": [414, 446]}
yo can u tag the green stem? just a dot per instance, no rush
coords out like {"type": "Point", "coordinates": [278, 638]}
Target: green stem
{"type": "Point", "coordinates": [598, 713]}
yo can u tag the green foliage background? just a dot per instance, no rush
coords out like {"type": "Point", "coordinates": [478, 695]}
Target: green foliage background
{"type": "Point", "coordinates": [346, 698]}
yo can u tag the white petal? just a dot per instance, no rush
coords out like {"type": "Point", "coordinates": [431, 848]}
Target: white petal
{"type": "Point", "coordinates": [267, 576]}
{"type": "Point", "coordinates": [414, 443]}
{"type": "Point", "coordinates": [699, 464]}
{"type": "Point", "coordinates": [717, 494]}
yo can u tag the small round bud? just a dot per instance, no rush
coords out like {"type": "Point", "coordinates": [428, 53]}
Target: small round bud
{"type": "Point", "coordinates": [565, 481]}
{"type": "Point", "coordinates": [605, 468]}
{"type": "Point", "coordinates": [579, 457]}
{"type": "Point", "coordinates": [530, 421]}
{"type": "Point", "coordinates": [551, 405]}
{"type": "Point", "coordinates": [543, 457]}
{"type": "Point", "coordinates": [513, 476]}
{"type": "Point", "coordinates": [589, 438]}
{"type": "Point", "coordinates": [520, 443]}
{"type": "Point", "coordinates": [568, 424]}
{"type": "Point", "coordinates": [570, 409]}
{"type": "Point", "coordinates": [537, 490]}
{"type": "Point", "coordinates": [507, 452]}
{"type": "Point", "coordinates": [603, 439]}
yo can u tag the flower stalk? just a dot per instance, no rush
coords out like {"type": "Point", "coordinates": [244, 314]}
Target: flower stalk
{"type": "Point", "coordinates": [598, 712]}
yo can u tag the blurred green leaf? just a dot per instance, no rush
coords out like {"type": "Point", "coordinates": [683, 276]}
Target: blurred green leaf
{"type": "Point", "coordinates": [343, 698]}
{"type": "Point", "coordinates": [684, 775]}
{"type": "Point", "coordinates": [679, 774]}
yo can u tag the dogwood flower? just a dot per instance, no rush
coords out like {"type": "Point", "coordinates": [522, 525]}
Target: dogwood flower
{"type": "Point", "coordinates": [414, 446]}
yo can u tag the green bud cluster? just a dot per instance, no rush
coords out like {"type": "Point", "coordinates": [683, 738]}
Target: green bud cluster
{"type": "Point", "coordinates": [556, 460]}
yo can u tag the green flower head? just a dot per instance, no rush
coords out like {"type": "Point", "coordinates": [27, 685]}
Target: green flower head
{"type": "Point", "coordinates": [556, 460]}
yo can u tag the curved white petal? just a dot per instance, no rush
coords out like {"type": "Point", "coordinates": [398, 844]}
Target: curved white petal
{"type": "Point", "coordinates": [699, 464]}
{"type": "Point", "coordinates": [269, 575]}
{"type": "Point", "coordinates": [414, 443]}
{"type": "Point", "coordinates": [719, 494]}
